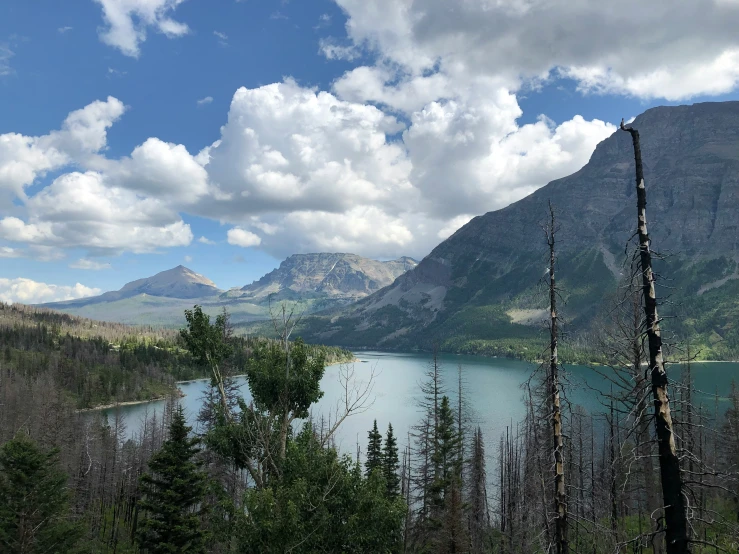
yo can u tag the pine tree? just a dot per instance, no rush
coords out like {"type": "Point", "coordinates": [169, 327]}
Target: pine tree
{"type": "Point", "coordinates": [447, 486]}
{"type": "Point", "coordinates": [390, 463]}
{"type": "Point", "coordinates": [173, 491]}
{"type": "Point", "coordinates": [479, 515]}
{"type": "Point", "coordinates": [374, 450]}
{"type": "Point", "coordinates": [34, 515]}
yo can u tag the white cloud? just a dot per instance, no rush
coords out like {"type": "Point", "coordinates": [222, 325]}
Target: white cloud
{"type": "Point", "coordinates": [128, 20]}
{"type": "Point", "coordinates": [712, 76]}
{"type": "Point", "coordinates": [222, 38]}
{"type": "Point", "coordinates": [453, 225]}
{"type": "Point", "coordinates": [305, 169]}
{"type": "Point", "coordinates": [62, 30]}
{"type": "Point", "coordinates": [365, 229]}
{"type": "Point", "coordinates": [79, 210]}
{"type": "Point", "coordinates": [672, 50]}
{"type": "Point", "coordinates": [240, 237]}
{"type": "Point", "coordinates": [158, 169]}
{"type": "Point", "coordinates": [188, 259]}
{"type": "Point", "coordinates": [204, 101]}
{"type": "Point", "coordinates": [288, 148]}
{"type": "Point", "coordinates": [205, 240]}
{"type": "Point", "coordinates": [26, 291]}
{"type": "Point", "coordinates": [8, 252]}
{"type": "Point", "coordinates": [83, 133]}
{"type": "Point", "coordinates": [92, 265]}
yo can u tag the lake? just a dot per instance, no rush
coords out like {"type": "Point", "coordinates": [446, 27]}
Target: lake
{"type": "Point", "coordinates": [493, 387]}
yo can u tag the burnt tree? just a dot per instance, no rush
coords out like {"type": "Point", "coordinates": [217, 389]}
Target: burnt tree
{"type": "Point", "coordinates": [560, 495]}
{"type": "Point", "coordinates": [676, 532]}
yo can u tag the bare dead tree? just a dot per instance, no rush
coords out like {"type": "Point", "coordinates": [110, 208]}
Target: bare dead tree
{"type": "Point", "coordinates": [560, 493]}
{"type": "Point", "coordinates": [676, 533]}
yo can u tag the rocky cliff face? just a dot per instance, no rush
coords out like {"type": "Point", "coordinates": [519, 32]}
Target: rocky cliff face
{"type": "Point", "coordinates": [336, 276]}
{"type": "Point", "coordinates": [691, 164]}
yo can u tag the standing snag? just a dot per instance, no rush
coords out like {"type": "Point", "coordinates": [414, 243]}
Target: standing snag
{"type": "Point", "coordinates": [676, 532]}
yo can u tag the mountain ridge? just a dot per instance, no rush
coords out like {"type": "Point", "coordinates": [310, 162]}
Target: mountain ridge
{"type": "Point", "coordinates": [339, 274]}
{"type": "Point", "coordinates": [318, 281]}
{"type": "Point", "coordinates": [179, 282]}
{"type": "Point", "coordinates": [490, 267]}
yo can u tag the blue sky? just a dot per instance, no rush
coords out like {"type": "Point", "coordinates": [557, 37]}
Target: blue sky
{"type": "Point", "coordinates": [355, 118]}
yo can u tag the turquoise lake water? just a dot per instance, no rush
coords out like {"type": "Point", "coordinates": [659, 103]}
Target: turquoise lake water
{"type": "Point", "coordinates": [493, 387]}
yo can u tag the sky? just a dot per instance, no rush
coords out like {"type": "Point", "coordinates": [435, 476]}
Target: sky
{"type": "Point", "coordinates": [226, 135]}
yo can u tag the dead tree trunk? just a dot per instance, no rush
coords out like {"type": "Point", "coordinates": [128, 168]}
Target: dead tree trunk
{"type": "Point", "coordinates": [560, 496]}
{"type": "Point", "coordinates": [676, 533]}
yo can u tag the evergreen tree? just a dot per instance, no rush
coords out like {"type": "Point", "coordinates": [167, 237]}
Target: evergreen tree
{"type": "Point", "coordinates": [33, 501]}
{"type": "Point", "coordinates": [446, 517]}
{"type": "Point", "coordinates": [173, 490]}
{"type": "Point", "coordinates": [322, 503]}
{"type": "Point", "coordinates": [390, 463]}
{"type": "Point", "coordinates": [374, 450]}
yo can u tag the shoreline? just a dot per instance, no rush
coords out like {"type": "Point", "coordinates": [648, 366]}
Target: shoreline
{"type": "Point", "coordinates": [119, 404]}
{"type": "Point", "coordinates": [181, 394]}
{"type": "Point", "coordinates": [352, 361]}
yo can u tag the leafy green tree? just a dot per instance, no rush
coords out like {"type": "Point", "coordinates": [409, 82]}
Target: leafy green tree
{"type": "Point", "coordinates": [173, 491]}
{"type": "Point", "coordinates": [285, 382]}
{"type": "Point", "coordinates": [209, 344]}
{"type": "Point", "coordinates": [374, 451]}
{"type": "Point", "coordinates": [390, 463]}
{"type": "Point", "coordinates": [34, 499]}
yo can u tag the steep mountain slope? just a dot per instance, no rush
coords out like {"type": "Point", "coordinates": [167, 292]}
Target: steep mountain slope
{"type": "Point", "coordinates": [344, 276]}
{"type": "Point", "coordinates": [481, 283]}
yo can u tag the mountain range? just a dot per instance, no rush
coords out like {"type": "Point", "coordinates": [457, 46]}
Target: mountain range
{"type": "Point", "coordinates": [481, 290]}
{"type": "Point", "coordinates": [317, 281]}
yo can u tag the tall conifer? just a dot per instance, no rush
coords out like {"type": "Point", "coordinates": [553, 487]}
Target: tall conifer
{"type": "Point", "coordinates": [390, 463]}
{"type": "Point", "coordinates": [173, 490]}
{"type": "Point", "coordinates": [374, 450]}
{"type": "Point", "coordinates": [34, 513]}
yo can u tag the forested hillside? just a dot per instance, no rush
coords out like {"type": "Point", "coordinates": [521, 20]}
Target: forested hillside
{"type": "Point", "coordinates": [99, 363]}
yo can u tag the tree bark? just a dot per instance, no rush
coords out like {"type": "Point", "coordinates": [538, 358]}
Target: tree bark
{"type": "Point", "coordinates": [676, 533]}
{"type": "Point", "coordinates": [560, 495]}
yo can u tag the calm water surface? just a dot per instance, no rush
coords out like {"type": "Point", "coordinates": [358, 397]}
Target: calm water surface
{"type": "Point", "coordinates": [493, 386]}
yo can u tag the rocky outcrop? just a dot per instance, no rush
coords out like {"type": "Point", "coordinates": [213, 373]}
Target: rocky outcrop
{"type": "Point", "coordinates": [335, 276]}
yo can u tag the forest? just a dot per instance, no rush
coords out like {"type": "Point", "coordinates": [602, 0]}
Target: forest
{"type": "Point", "coordinates": [654, 472]}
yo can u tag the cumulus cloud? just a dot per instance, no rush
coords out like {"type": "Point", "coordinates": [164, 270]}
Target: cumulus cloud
{"type": "Point", "coordinates": [79, 210]}
{"type": "Point", "coordinates": [83, 133]}
{"type": "Point", "coordinates": [91, 265]}
{"type": "Point", "coordinates": [243, 238]}
{"type": "Point", "coordinates": [288, 148]}
{"type": "Point", "coordinates": [8, 252]}
{"type": "Point", "coordinates": [205, 240]}
{"type": "Point", "coordinates": [672, 50]}
{"type": "Point", "coordinates": [400, 152]}
{"type": "Point", "coordinates": [158, 169]}
{"type": "Point", "coordinates": [26, 291]}
{"type": "Point", "coordinates": [204, 101]}
{"type": "Point", "coordinates": [127, 22]}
